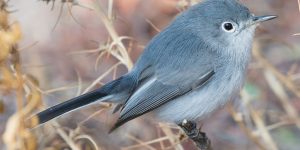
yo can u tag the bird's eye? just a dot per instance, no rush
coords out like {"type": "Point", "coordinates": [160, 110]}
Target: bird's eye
{"type": "Point", "coordinates": [228, 27]}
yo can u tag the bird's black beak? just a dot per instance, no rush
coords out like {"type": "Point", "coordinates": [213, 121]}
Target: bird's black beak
{"type": "Point", "coordinates": [258, 19]}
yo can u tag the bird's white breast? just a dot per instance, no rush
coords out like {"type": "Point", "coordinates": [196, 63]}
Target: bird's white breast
{"type": "Point", "coordinates": [202, 102]}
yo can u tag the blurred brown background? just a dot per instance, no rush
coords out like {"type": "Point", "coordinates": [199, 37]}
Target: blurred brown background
{"type": "Point", "coordinates": [56, 50]}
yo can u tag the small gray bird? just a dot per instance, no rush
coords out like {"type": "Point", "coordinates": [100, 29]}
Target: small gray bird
{"type": "Point", "coordinates": [186, 72]}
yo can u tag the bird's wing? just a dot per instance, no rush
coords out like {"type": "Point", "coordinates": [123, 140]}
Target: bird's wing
{"type": "Point", "coordinates": [180, 65]}
{"type": "Point", "coordinates": [154, 96]}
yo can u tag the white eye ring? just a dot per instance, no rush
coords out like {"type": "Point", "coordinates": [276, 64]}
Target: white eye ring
{"type": "Point", "coordinates": [228, 27]}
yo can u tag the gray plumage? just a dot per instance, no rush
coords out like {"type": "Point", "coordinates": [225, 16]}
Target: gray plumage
{"type": "Point", "coordinates": [187, 71]}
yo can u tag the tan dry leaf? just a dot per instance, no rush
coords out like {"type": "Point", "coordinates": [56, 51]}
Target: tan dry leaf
{"type": "Point", "coordinates": [1, 107]}
{"type": "Point", "coordinates": [10, 136]}
{"type": "Point", "coordinates": [3, 19]}
{"type": "Point", "coordinates": [8, 78]}
{"type": "Point", "coordinates": [8, 38]}
{"type": "Point", "coordinates": [30, 141]}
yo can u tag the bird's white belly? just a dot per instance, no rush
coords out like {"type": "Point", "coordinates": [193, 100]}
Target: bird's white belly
{"type": "Point", "coordinates": [201, 102]}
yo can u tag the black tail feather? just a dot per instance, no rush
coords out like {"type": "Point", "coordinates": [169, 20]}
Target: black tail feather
{"type": "Point", "coordinates": [69, 105]}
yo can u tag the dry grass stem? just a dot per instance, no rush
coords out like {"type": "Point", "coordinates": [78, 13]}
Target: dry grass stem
{"type": "Point", "coordinates": [259, 123]}
{"type": "Point", "coordinates": [91, 116]}
{"type": "Point", "coordinates": [265, 64]}
{"type": "Point", "coordinates": [64, 136]}
{"type": "Point", "coordinates": [279, 91]}
{"type": "Point", "coordinates": [297, 34]}
{"type": "Point", "coordinates": [110, 9]}
{"type": "Point", "coordinates": [238, 118]}
{"type": "Point", "coordinates": [274, 126]}
{"type": "Point", "coordinates": [89, 138]}
{"type": "Point", "coordinates": [79, 81]}
{"type": "Point", "coordinates": [299, 5]}
{"type": "Point", "coordinates": [141, 143]}
{"type": "Point", "coordinates": [172, 138]}
{"type": "Point", "coordinates": [117, 40]}
{"type": "Point", "coordinates": [100, 78]}
{"type": "Point", "coordinates": [153, 25]}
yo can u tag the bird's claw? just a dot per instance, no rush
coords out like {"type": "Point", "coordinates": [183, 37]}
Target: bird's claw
{"type": "Point", "coordinates": [194, 133]}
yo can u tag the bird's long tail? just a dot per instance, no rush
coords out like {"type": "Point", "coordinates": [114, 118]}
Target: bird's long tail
{"type": "Point", "coordinates": [119, 88]}
{"type": "Point", "coordinates": [70, 105]}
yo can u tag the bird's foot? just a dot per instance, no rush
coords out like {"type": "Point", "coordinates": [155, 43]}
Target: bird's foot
{"type": "Point", "coordinates": [194, 133]}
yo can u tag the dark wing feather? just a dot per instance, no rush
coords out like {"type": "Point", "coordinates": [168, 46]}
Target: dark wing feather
{"type": "Point", "coordinates": [154, 96]}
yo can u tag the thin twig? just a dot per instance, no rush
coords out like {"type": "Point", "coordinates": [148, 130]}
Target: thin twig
{"type": "Point", "coordinates": [258, 121]}
{"type": "Point", "coordinates": [89, 138]}
{"type": "Point", "coordinates": [100, 78]}
{"type": "Point", "coordinates": [153, 26]}
{"type": "Point", "coordinates": [299, 5]}
{"type": "Point", "coordinates": [283, 97]}
{"type": "Point", "coordinates": [285, 80]}
{"type": "Point", "coordinates": [125, 59]}
{"type": "Point", "coordinates": [110, 9]}
{"type": "Point", "coordinates": [168, 132]}
{"type": "Point", "coordinates": [237, 118]}
{"type": "Point", "coordinates": [64, 136]}
{"type": "Point", "coordinates": [141, 143]}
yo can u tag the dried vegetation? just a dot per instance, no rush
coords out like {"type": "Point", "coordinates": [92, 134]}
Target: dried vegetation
{"type": "Point", "coordinates": [266, 118]}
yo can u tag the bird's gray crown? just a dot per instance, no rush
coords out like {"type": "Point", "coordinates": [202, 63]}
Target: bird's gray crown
{"type": "Point", "coordinates": [215, 12]}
